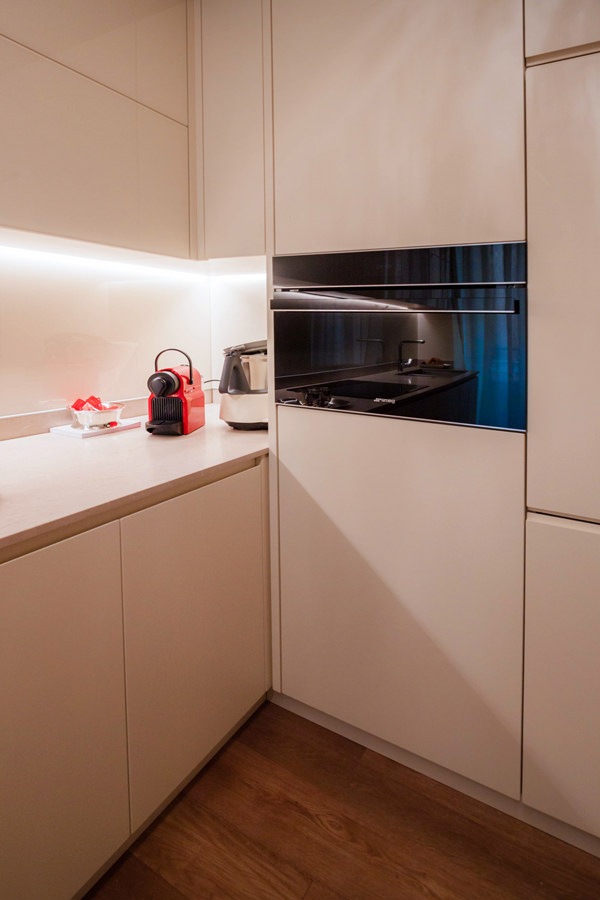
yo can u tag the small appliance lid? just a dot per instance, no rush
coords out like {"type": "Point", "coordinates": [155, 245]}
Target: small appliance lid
{"type": "Point", "coordinates": [250, 347]}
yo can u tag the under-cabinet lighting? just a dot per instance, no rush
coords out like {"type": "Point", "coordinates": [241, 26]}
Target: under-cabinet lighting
{"type": "Point", "coordinates": [240, 277]}
{"type": "Point", "coordinates": [34, 258]}
{"type": "Point", "coordinates": [238, 269]}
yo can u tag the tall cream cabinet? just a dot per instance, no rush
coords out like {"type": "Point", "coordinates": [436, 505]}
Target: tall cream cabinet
{"type": "Point", "coordinates": [561, 673]}
{"type": "Point", "coordinates": [401, 555]}
{"type": "Point", "coordinates": [63, 747]}
{"type": "Point", "coordinates": [195, 620]}
{"type": "Point", "coordinates": [561, 745]}
{"type": "Point", "coordinates": [559, 25]}
{"type": "Point", "coordinates": [94, 113]}
{"type": "Point", "coordinates": [563, 105]}
{"type": "Point", "coordinates": [233, 128]}
{"type": "Point", "coordinates": [397, 123]}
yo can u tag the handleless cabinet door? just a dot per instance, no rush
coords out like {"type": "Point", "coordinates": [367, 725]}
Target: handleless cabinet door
{"type": "Point", "coordinates": [63, 749]}
{"type": "Point", "coordinates": [552, 25]}
{"type": "Point", "coordinates": [561, 726]}
{"type": "Point", "coordinates": [401, 554]}
{"type": "Point", "coordinates": [563, 446]}
{"type": "Point", "coordinates": [397, 123]}
{"type": "Point", "coordinates": [194, 606]}
{"type": "Point", "coordinates": [135, 47]}
{"type": "Point", "coordinates": [79, 160]}
{"type": "Point", "coordinates": [233, 120]}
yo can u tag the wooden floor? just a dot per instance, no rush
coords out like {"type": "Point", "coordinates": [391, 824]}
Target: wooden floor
{"type": "Point", "coordinates": [288, 810]}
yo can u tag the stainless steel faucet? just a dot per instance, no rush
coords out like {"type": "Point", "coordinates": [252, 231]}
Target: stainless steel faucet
{"type": "Point", "coordinates": [404, 362]}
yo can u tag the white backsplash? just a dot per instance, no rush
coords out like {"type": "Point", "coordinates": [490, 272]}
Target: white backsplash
{"type": "Point", "coordinates": [238, 309]}
{"type": "Point", "coordinates": [80, 319]}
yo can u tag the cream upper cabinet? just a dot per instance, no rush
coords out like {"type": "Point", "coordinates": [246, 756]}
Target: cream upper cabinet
{"type": "Point", "coordinates": [401, 570]}
{"type": "Point", "coordinates": [552, 25]}
{"type": "Point", "coordinates": [233, 128]}
{"type": "Point", "coordinates": [561, 745]}
{"type": "Point", "coordinates": [563, 448]}
{"type": "Point", "coordinates": [195, 630]}
{"type": "Point", "coordinates": [82, 161]}
{"type": "Point", "coordinates": [63, 748]}
{"type": "Point", "coordinates": [135, 47]}
{"type": "Point", "coordinates": [397, 123]}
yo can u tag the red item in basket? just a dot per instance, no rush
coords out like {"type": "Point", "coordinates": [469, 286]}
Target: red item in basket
{"type": "Point", "coordinates": [91, 403]}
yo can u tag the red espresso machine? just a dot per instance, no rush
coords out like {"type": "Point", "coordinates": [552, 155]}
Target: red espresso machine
{"type": "Point", "coordinates": [176, 401]}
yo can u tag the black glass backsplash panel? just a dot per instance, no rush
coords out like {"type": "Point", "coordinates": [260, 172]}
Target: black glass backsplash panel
{"type": "Point", "coordinates": [324, 348]}
{"type": "Point", "coordinates": [501, 263]}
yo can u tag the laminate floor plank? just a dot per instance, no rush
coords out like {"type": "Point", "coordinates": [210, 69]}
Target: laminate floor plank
{"type": "Point", "coordinates": [318, 891]}
{"type": "Point", "coordinates": [466, 841]}
{"type": "Point", "coordinates": [311, 828]}
{"type": "Point", "coordinates": [290, 811]}
{"type": "Point", "coordinates": [529, 862]}
{"type": "Point", "coordinates": [304, 828]}
{"type": "Point", "coordinates": [205, 858]}
{"type": "Point", "coordinates": [314, 753]}
{"type": "Point", "coordinates": [130, 879]}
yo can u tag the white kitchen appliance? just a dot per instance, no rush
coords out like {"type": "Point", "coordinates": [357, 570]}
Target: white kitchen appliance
{"type": "Point", "coordinates": [243, 386]}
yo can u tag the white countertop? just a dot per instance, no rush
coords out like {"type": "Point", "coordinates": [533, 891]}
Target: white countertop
{"type": "Point", "coordinates": [52, 486]}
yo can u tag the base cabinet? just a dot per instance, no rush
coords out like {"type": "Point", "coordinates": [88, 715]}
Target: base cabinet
{"type": "Point", "coordinates": [63, 751]}
{"type": "Point", "coordinates": [401, 553]}
{"type": "Point", "coordinates": [194, 612]}
{"type": "Point", "coordinates": [561, 737]}
{"type": "Point", "coordinates": [100, 726]}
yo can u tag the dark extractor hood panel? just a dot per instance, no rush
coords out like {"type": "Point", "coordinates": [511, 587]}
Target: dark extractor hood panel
{"type": "Point", "coordinates": [475, 278]}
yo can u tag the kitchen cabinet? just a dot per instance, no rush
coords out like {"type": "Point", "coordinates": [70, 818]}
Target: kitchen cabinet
{"type": "Point", "coordinates": [561, 745]}
{"type": "Point", "coordinates": [83, 161]}
{"type": "Point", "coordinates": [63, 751]}
{"type": "Point", "coordinates": [233, 128]}
{"type": "Point", "coordinates": [195, 630]}
{"type": "Point", "coordinates": [397, 123]}
{"type": "Point", "coordinates": [401, 571]}
{"type": "Point", "coordinates": [136, 48]}
{"type": "Point", "coordinates": [554, 25]}
{"type": "Point", "coordinates": [563, 101]}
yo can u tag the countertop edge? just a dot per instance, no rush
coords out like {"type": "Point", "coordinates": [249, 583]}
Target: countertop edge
{"type": "Point", "coordinates": [44, 531]}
